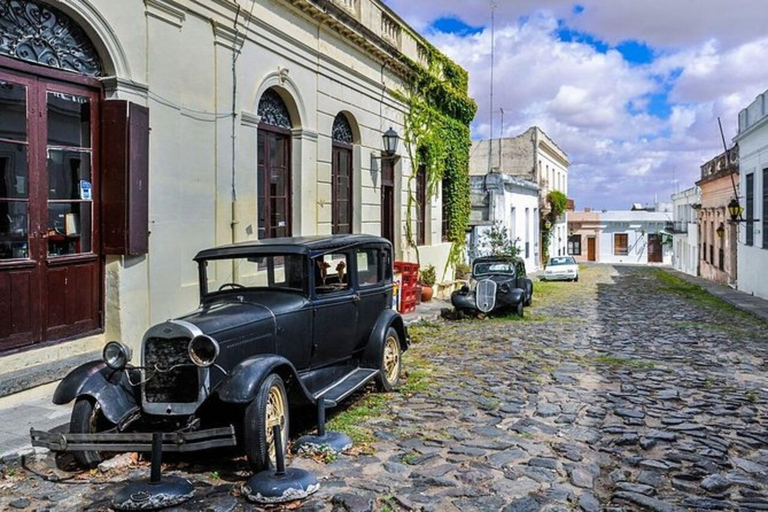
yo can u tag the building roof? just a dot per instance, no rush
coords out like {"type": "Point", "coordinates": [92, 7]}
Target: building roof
{"type": "Point", "coordinates": [634, 216]}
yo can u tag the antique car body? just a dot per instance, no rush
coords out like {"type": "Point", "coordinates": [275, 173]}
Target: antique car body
{"type": "Point", "coordinates": [497, 284]}
{"type": "Point", "coordinates": [561, 268]}
{"type": "Point", "coordinates": [281, 323]}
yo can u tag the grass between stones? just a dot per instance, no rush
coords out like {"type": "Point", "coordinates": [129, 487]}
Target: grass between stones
{"type": "Point", "coordinates": [694, 293]}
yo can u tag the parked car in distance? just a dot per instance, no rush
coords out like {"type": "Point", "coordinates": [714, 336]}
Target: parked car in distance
{"type": "Point", "coordinates": [282, 323]}
{"type": "Point", "coordinates": [497, 284]}
{"type": "Point", "coordinates": [561, 268]}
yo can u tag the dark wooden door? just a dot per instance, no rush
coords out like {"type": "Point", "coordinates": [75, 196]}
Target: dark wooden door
{"type": "Point", "coordinates": [654, 249]}
{"type": "Point", "coordinates": [274, 182]}
{"type": "Point", "coordinates": [341, 180]}
{"type": "Point", "coordinates": [591, 249]}
{"type": "Point", "coordinates": [50, 264]}
{"type": "Point", "coordinates": [388, 200]}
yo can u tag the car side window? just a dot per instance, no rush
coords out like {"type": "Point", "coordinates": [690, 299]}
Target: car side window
{"type": "Point", "coordinates": [520, 269]}
{"type": "Point", "coordinates": [368, 267]}
{"type": "Point", "coordinates": [331, 273]}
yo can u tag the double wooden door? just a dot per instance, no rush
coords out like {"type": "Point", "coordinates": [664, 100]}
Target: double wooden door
{"type": "Point", "coordinates": [388, 200]}
{"type": "Point", "coordinates": [50, 264]}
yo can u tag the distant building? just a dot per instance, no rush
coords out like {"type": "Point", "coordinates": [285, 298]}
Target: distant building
{"type": "Point", "coordinates": [513, 204]}
{"type": "Point", "coordinates": [753, 195]}
{"type": "Point", "coordinates": [685, 230]}
{"type": "Point", "coordinates": [718, 246]}
{"type": "Point", "coordinates": [621, 236]}
{"type": "Point", "coordinates": [535, 157]}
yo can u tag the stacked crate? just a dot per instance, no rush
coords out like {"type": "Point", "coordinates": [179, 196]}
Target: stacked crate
{"type": "Point", "coordinates": [410, 273]}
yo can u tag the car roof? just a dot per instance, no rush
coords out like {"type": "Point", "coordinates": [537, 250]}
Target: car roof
{"type": "Point", "coordinates": [310, 245]}
{"type": "Point", "coordinates": [500, 259]}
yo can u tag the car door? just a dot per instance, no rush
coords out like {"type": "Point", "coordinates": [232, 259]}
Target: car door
{"type": "Point", "coordinates": [335, 309]}
{"type": "Point", "coordinates": [371, 283]}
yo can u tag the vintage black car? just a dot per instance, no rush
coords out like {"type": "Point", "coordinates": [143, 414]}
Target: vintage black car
{"type": "Point", "coordinates": [282, 323]}
{"type": "Point", "coordinates": [497, 284]}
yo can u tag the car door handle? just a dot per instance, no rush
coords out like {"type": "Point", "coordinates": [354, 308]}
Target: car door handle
{"type": "Point", "coordinates": [356, 298]}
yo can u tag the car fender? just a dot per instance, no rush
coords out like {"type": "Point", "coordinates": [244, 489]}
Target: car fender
{"type": "Point", "coordinates": [528, 285]}
{"type": "Point", "coordinates": [245, 380]}
{"type": "Point", "coordinates": [388, 318]}
{"type": "Point", "coordinates": [516, 295]}
{"type": "Point", "coordinates": [463, 300]}
{"type": "Point", "coordinates": [110, 388]}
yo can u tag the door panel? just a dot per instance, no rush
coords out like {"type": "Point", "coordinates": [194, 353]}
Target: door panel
{"type": "Point", "coordinates": [591, 249]}
{"type": "Point", "coordinates": [50, 267]}
{"type": "Point", "coordinates": [654, 249]}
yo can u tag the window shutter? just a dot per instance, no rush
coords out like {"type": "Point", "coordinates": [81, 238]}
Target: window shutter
{"type": "Point", "coordinates": [125, 178]}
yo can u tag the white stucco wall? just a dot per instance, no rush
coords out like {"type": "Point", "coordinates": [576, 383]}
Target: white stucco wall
{"type": "Point", "coordinates": [176, 58]}
{"type": "Point", "coordinates": [752, 260]}
{"type": "Point", "coordinates": [685, 256]}
{"type": "Point", "coordinates": [637, 225]}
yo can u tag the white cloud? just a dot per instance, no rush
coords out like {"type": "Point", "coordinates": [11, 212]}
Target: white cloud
{"type": "Point", "coordinates": [594, 105]}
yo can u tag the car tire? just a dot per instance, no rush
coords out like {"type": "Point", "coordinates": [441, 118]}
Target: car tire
{"type": "Point", "coordinates": [390, 362]}
{"type": "Point", "coordinates": [528, 294]}
{"type": "Point", "coordinates": [520, 309]}
{"type": "Point", "coordinates": [87, 418]}
{"type": "Point", "coordinates": [576, 279]}
{"type": "Point", "coordinates": [269, 408]}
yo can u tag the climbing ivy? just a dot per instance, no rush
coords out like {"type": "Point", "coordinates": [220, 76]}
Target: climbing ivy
{"type": "Point", "coordinates": [437, 138]}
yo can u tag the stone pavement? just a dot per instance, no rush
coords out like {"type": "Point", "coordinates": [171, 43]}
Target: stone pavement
{"type": "Point", "coordinates": [621, 392]}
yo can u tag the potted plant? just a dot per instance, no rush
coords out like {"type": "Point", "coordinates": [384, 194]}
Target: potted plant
{"type": "Point", "coordinates": [427, 279]}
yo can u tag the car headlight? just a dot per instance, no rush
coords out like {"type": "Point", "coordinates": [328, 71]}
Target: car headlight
{"type": "Point", "coordinates": [504, 288]}
{"type": "Point", "coordinates": [116, 355]}
{"type": "Point", "coordinates": [203, 350]}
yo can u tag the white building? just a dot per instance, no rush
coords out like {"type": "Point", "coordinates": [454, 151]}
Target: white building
{"type": "Point", "coordinates": [634, 237]}
{"type": "Point", "coordinates": [685, 230]}
{"type": "Point", "coordinates": [752, 246]}
{"type": "Point", "coordinates": [511, 203]}
{"type": "Point", "coordinates": [535, 157]}
{"type": "Point", "coordinates": [266, 120]}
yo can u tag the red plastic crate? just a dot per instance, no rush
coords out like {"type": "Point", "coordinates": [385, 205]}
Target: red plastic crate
{"type": "Point", "coordinates": [406, 268]}
{"type": "Point", "coordinates": [407, 306]}
{"type": "Point", "coordinates": [408, 295]}
{"type": "Point", "coordinates": [409, 281]}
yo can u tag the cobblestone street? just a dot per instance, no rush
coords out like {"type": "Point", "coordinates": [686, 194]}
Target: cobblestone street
{"type": "Point", "coordinates": [629, 390]}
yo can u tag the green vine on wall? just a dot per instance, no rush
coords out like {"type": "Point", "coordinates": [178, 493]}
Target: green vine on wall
{"type": "Point", "coordinates": [558, 202]}
{"type": "Point", "coordinates": [437, 139]}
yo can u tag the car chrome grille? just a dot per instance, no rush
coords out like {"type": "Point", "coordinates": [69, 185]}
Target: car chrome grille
{"type": "Point", "coordinates": [166, 385]}
{"type": "Point", "coordinates": [485, 295]}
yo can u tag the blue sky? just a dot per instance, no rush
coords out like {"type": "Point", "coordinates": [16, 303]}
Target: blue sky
{"type": "Point", "coordinates": [630, 89]}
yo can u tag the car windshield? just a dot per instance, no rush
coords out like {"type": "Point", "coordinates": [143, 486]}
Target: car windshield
{"type": "Point", "coordinates": [493, 267]}
{"type": "Point", "coordinates": [562, 260]}
{"type": "Point", "coordinates": [273, 271]}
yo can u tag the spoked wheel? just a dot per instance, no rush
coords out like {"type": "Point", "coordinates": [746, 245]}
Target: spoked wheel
{"type": "Point", "coordinates": [87, 418]}
{"type": "Point", "coordinates": [389, 368]}
{"type": "Point", "coordinates": [269, 408]}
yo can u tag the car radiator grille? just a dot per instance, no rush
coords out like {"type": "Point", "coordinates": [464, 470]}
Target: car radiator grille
{"type": "Point", "coordinates": [485, 295]}
{"type": "Point", "coordinates": [179, 385]}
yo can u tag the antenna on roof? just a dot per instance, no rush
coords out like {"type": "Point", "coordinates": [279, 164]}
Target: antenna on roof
{"type": "Point", "coordinates": [493, 47]}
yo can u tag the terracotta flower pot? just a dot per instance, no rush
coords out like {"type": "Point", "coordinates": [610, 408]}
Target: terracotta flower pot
{"type": "Point", "coordinates": [426, 293]}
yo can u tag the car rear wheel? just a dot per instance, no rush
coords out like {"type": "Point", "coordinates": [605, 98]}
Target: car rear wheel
{"type": "Point", "coordinates": [520, 309]}
{"type": "Point", "coordinates": [390, 364]}
{"type": "Point", "coordinates": [269, 408]}
{"type": "Point", "coordinates": [87, 418]}
{"type": "Point", "coordinates": [576, 279]}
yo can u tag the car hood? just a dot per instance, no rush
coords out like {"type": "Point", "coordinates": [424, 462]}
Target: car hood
{"type": "Point", "coordinates": [497, 278]}
{"type": "Point", "coordinates": [224, 316]}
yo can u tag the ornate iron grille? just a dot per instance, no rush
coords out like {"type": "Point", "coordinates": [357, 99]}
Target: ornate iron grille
{"type": "Point", "coordinates": [44, 35]}
{"type": "Point", "coordinates": [485, 295]}
{"type": "Point", "coordinates": [166, 385]}
{"type": "Point", "coordinates": [342, 131]}
{"type": "Point", "coordinates": [273, 110]}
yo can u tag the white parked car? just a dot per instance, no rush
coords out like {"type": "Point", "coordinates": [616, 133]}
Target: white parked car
{"type": "Point", "coordinates": [561, 268]}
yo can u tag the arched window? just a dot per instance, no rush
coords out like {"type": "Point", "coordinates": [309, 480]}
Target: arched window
{"type": "Point", "coordinates": [274, 167]}
{"type": "Point", "coordinates": [341, 175]}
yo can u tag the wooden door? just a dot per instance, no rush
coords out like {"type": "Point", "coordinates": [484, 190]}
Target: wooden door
{"type": "Point", "coordinates": [654, 248]}
{"type": "Point", "coordinates": [274, 182]}
{"type": "Point", "coordinates": [341, 181]}
{"type": "Point", "coordinates": [50, 264]}
{"type": "Point", "coordinates": [388, 200]}
{"type": "Point", "coordinates": [591, 248]}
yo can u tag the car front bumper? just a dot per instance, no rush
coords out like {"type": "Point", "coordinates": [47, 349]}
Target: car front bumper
{"type": "Point", "coordinates": [561, 276]}
{"type": "Point", "coordinates": [179, 441]}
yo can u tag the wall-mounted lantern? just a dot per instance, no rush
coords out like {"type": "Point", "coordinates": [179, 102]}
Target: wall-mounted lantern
{"type": "Point", "coordinates": [735, 210]}
{"type": "Point", "coordinates": [720, 230]}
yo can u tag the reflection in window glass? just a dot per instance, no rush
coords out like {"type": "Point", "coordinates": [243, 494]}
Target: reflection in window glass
{"type": "Point", "coordinates": [69, 228]}
{"type": "Point", "coordinates": [14, 229]}
{"type": "Point", "coordinates": [69, 120]}
{"type": "Point", "coordinates": [13, 171]}
{"type": "Point", "coordinates": [13, 111]}
{"type": "Point", "coordinates": [69, 174]}
{"type": "Point", "coordinates": [368, 267]}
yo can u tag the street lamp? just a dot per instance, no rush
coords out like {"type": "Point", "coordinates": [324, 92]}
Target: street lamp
{"type": "Point", "coordinates": [720, 230]}
{"type": "Point", "coordinates": [390, 139]}
{"type": "Point", "coordinates": [734, 210]}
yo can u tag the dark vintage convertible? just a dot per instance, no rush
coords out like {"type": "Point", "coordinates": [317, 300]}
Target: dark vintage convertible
{"type": "Point", "coordinates": [282, 323]}
{"type": "Point", "coordinates": [498, 284]}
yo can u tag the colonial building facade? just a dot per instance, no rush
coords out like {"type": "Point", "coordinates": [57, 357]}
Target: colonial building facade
{"type": "Point", "coordinates": [717, 236]}
{"type": "Point", "coordinates": [135, 133]}
{"type": "Point", "coordinates": [685, 230]}
{"type": "Point", "coordinates": [535, 157]}
{"type": "Point", "coordinates": [753, 196]}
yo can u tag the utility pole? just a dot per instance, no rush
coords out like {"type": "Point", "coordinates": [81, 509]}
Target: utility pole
{"type": "Point", "coordinates": [493, 44]}
{"type": "Point", "coordinates": [501, 139]}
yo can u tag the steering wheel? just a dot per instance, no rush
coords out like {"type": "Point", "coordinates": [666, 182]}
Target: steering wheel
{"type": "Point", "coordinates": [231, 285]}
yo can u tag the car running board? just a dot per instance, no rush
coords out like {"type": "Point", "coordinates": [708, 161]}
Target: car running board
{"type": "Point", "coordinates": [347, 385]}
